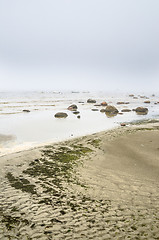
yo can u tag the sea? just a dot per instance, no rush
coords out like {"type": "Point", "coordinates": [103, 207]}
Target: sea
{"type": "Point", "coordinates": [20, 129]}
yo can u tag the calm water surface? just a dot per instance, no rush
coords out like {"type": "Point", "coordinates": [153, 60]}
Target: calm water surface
{"type": "Point", "coordinates": [40, 126]}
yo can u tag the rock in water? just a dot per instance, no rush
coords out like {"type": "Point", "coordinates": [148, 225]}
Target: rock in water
{"type": "Point", "coordinates": [76, 112]}
{"type": "Point", "coordinates": [141, 110]}
{"type": "Point", "coordinates": [91, 101]}
{"type": "Point", "coordinates": [120, 102]}
{"type": "Point", "coordinates": [26, 110]}
{"type": "Point", "coordinates": [104, 104]}
{"type": "Point", "coordinates": [111, 109]}
{"type": "Point", "coordinates": [60, 115]}
{"type": "Point", "coordinates": [72, 107]}
{"type": "Point", "coordinates": [126, 110]}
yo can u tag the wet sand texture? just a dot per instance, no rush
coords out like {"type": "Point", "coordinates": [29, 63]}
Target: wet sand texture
{"type": "Point", "coordinates": [103, 186]}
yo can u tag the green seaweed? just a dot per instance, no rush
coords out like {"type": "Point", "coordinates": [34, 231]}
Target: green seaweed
{"type": "Point", "coordinates": [12, 222]}
{"type": "Point", "coordinates": [21, 183]}
{"type": "Point", "coordinates": [95, 142]}
{"type": "Point", "coordinates": [144, 129]}
{"type": "Point", "coordinates": [57, 164]}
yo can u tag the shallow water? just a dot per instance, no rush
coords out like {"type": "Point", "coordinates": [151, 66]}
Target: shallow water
{"type": "Point", "coordinates": [40, 126]}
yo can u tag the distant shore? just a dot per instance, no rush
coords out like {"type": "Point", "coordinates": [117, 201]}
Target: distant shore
{"type": "Point", "coordinates": [100, 186]}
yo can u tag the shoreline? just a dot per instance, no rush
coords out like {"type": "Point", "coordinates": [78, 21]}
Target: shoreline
{"type": "Point", "coordinates": [40, 145]}
{"type": "Point", "coordinates": [98, 186]}
{"type": "Point", "coordinates": [27, 146]}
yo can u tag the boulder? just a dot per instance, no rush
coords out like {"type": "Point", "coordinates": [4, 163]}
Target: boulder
{"type": "Point", "coordinates": [126, 110]}
{"type": "Point", "coordinates": [78, 116]}
{"type": "Point", "coordinates": [111, 114]}
{"type": "Point", "coordinates": [122, 124]}
{"type": "Point", "coordinates": [97, 105]}
{"type": "Point", "coordinates": [147, 101]}
{"type": "Point", "coordinates": [72, 107]}
{"type": "Point", "coordinates": [60, 115]}
{"type": "Point", "coordinates": [95, 109]}
{"type": "Point", "coordinates": [91, 101]}
{"type": "Point", "coordinates": [111, 109]}
{"type": "Point", "coordinates": [104, 104]}
{"type": "Point", "coordinates": [141, 110]}
{"type": "Point", "coordinates": [131, 95]}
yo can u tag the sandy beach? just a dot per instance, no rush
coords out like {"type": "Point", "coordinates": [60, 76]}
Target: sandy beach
{"type": "Point", "coordinates": [79, 120]}
{"type": "Point", "coordinates": [101, 186]}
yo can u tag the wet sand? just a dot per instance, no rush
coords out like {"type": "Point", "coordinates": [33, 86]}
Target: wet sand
{"type": "Point", "coordinates": [6, 138]}
{"type": "Point", "coordinates": [101, 186]}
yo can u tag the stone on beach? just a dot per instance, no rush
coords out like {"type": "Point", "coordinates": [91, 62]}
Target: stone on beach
{"type": "Point", "coordinates": [122, 124]}
{"type": "Point", "coordinates": [72, 107]}
{"type": "Point", "coordinates": [25, 110]}
{"type": "Point", "coordinates": [76, 112]}
{"type": "Point", "coordinates": [111, 109]}
{"type": "Point", "coordinates": [147, 101]}
{"type": "Point", "coordinates": [126, 110]}
{"type": "Point", "coordinates": [104, 104]}
{"type": "Point", "coordinates": [141, 110]}
{"type": "Point", "coordinates": [91, 101]}
{"type": "Point", "coordinates": [61, 115]}
{"type": "Point", "coordinates": [120, 102]}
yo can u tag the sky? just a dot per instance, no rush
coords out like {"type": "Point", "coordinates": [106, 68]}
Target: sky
{"type": "Point", "coordinates": [79, 45]}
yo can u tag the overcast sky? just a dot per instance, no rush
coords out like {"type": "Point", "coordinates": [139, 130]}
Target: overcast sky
{"type": "Point", "coordinates": [79, 44]}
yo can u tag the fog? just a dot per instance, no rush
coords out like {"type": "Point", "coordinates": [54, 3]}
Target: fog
{"type": "Point", "coordinates": [79, 45]}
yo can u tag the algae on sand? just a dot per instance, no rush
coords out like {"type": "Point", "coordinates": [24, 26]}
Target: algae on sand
{"type": "Point", "coordinates": [57, 164]}
{"type": "Point", "coordinates": [21, 183]}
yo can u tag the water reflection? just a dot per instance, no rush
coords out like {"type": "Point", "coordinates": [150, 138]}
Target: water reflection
{"type": "Point", "coordinates": [142, 113]}
{"type": "Point", "coordinates": [110, 115]}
